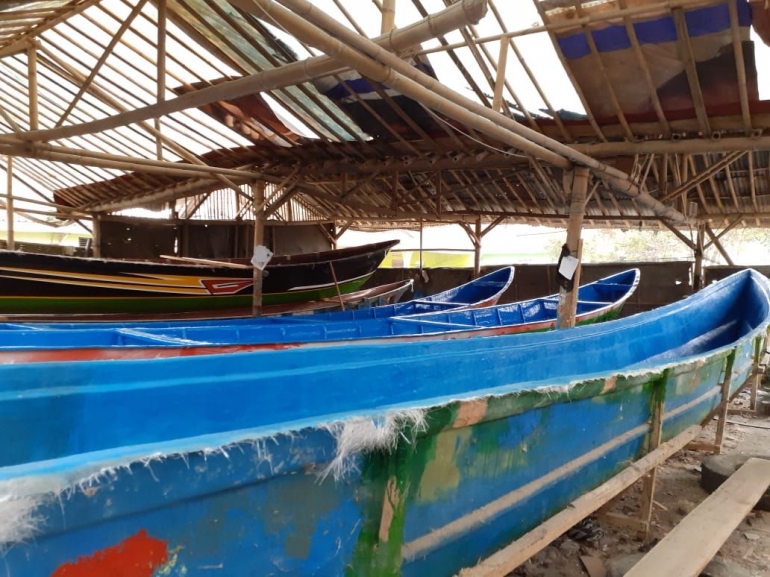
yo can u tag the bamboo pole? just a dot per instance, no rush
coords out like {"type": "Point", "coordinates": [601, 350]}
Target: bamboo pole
{"type": "Point", "coordinates": [161, 72]}
{"type": "Point", "coordinates": [10, 243]}
{"type": "Point", "coordinates": [388, 16]}
{"type": "Point", "coordinates": [697, 281]}
{"type": "Point", "coordinates": [258, 193]}
{"type": "Point", "coordinates": [573, 24]}
{"type": "Point", "coordinates": [477, 250]}
{"type": "Point", "coordinates": [21, 43]}
{"type": "Point", "coordinates": [421, 245]}
{"type": "Point", "coordinates": [687, 56]}
{"type": "Point", "coordinates": [715, 241]}
{"type": "Point", "coordinates": [740, 64]}
{"type": "Point", "coordinates": [32, 83]}
{"type": "Point", "coordinates": [399, 75]}
{"type": "Point", "coordinates": [690, 146]}
{"type": "Point", "coordinates": [502, 64]}
{"type": "Point", "coordinates": [102, 59]}
{"type": "Point", "coordinates": [455, 16]}
{"type": "Point", "coordinates": [568, 299]}
{"type": "Point", "coordinates": [105, 160]}
{"type": "Point", "coordinates": [337, 285]}
{"type": "Point", "coordinates": [703, 175]}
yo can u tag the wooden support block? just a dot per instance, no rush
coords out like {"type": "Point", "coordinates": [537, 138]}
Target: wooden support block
{"type": "Point", "coordinates": [694, 542]}
{"type": "Point", "coordinates": [510, 557]}
{"type": "Point", "coordinates": [625, 522]}
{"type": "Point", "coordinates": [710, 447]}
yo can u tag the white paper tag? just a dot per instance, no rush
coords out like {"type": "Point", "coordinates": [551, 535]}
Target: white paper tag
{"type": "Point", "coordinates": [568, 266]}
{"type": "Point", "coordinates": [262, 256]}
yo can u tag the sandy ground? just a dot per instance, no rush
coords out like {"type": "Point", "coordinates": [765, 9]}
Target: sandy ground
{"type": "Point", "coordinates": [678, 491]}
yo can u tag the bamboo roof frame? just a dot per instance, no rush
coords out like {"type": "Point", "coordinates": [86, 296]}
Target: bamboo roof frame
{"type": "Point", "coordinates": [86, 145]}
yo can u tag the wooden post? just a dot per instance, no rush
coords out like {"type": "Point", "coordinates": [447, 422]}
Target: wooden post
{"type": "Point", "coordinates": [477, 250]}
{"type": "Point", "coordinates": [697, 278]}
{"type": "Point", "coordinates": [9, 204]}
{"type": "Point", "coordinates": [725, 401]}
{"type": "Point", "coordinates": [657, 402]}
{"type": "Point", "coordinates": [337, 286]}
{"type": "Point", "coordinates": [568, 299]}
{"type": "Point", "coordinates": [420, 246]}
{"type": "Point", "coordinates": [96, 236]}
{"type": "Point", "coordinates": [258, 194]}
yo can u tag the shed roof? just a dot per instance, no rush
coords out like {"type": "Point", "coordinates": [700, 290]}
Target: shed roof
{"type": "Point", "coordinates": [667, 92]}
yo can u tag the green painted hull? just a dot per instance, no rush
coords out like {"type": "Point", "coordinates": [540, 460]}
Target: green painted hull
{"type": "Point", "coordinates": [173, 304]}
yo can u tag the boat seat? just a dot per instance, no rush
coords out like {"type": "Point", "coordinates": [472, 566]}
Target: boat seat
{"type": "Point", "coordinates": [440, 303]}
{"type": "Point", "coordinates": [140, 337]}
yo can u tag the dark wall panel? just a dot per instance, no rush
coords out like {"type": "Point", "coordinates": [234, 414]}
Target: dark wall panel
{"type": "Point", "coordinates": [137, 239]}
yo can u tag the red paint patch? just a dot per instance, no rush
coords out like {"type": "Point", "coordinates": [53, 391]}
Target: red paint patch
{"type": "Point", "coordinates": [137, 556]}
{"type": "Point", "coordinates": [226, 286]}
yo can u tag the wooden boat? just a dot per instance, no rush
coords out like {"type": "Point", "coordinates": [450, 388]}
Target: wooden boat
{"type": "Point", "coordinates": [414, 458]}
{"type": "Point", "coordinates": [376, 296]}
{"type": "Point", "coordinates": [481, 292]}
{"type": "Point", "coordinates": [598, 301]}
{"type": "Point", "coordinates": [41, 283]}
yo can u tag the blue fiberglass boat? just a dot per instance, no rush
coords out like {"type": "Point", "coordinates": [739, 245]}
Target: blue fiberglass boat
{"type": "Point", "coordinates": [481, 292]}
{"type": "Point", "coordinates": [412, 458]}
{"type": "Point", "coordinates": [599, 301]}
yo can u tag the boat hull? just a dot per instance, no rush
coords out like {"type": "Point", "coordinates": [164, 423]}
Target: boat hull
{"type": "Point", "coordinates": [47, 284]}
{"type": "Point", "coordinates": [203, 465]}
{"type": "Point", "coordinates": [74, 342]}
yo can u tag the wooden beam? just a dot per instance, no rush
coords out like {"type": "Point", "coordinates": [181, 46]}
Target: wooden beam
{"type": "Point", "coordinates": [21, 43]}
{"type": "Point", "coordinates": [9, 204]}
{"type": "Point", "coordinates": [477, 250]}
{"type": "Point", "coordinates": [697, 281]}
{"type": "Point", "coordinates": [258, 193]}
{"type": "Point", "coordinates": [160, 71]}
{"type": "Point", "coordinates": [510, 557]}
{"type": "Point", "coordinates": [740, 64]}
{"type": "Point", "coordinates": [688, 145]}
{"type": "Point", "coordinates": [715, 241]}
{"type": "Point", "coordinates": [102, 59]}
{"type": "Point", "coordinates": [704, 175]}
{"type": "Point", "coordinates": [568, 298]}
{"type": "Point", "coordinates": [687, 56]}
{"type": "Point", "coordinates": [724, 401]}
{"type": "Point", "coordinates": [502, 64]}
{"type": "Point", "coordinates": [32, 86]}
{"type": "Point", "coordinates": [288, 75]}
{"type": "Point", "coordinates": [703, 532]}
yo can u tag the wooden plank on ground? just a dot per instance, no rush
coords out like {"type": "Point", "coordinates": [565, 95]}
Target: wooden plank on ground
{"type": "Point", "coordinates": [694, 542]}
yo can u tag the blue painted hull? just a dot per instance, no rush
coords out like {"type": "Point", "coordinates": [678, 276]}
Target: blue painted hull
{"type": "Point", "coordinates": [216, 463]}
{"type": "Point", "coordinates": [601, 300]}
